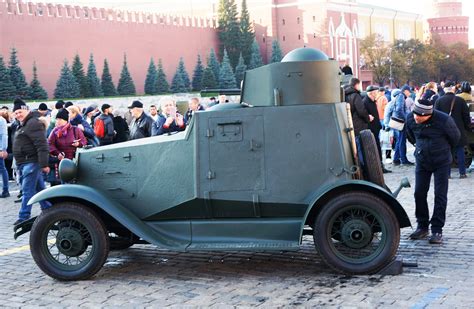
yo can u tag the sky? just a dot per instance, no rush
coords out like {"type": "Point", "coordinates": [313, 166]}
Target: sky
{"type": "Point", "coordinates": [420, 6]}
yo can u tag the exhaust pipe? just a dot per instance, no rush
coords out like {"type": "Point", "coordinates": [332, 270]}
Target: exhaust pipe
{"type": "Point", "coordinates": [404, 183]}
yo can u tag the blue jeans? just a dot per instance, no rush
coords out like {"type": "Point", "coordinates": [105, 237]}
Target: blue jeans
{"type": "Point", "coordinates": [459, 153]}
{"type": "Point", "coordinates": [400, 147]}
{"type": "Point", "coordinates": [31, 183]}
{"type": "Point", "coordinates": [4, 173]}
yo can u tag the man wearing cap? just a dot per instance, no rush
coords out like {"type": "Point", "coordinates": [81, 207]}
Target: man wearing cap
{"type": "Point", "coordinates": [400, 112]}
{"type": "Point", "coordinates": [43, 110]}
{"type": "Point", "coordinates": [142, 123]}
{"type": "Point", "coordinates": [434, 134]}
{"type": "Point", "coordinates": [30, 150]}
{"type": "Point", "coordinates": [457, 108]}
{"type": "Point", "coordinates": [105, 119]}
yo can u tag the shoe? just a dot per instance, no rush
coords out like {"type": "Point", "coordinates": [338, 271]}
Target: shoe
{"type": "Point", "coordinates": [20, 194]}
{"type": "Point", "coordinates": [419, 233]}
{"type": "Point", "coordinates": [462, 176]}
{"type": "Point", "coordinates": [5, 194]}
{"type": "Point", "coordinates": [408, 163]}
{"type": "Point", "coordinates": [386, 171]}
{"type": "Point", "coordinates": [396, 163]}
{"type": "Point", "coordinates": [436, 238]}
{"type": "Point", "coordinates": [18, 200]}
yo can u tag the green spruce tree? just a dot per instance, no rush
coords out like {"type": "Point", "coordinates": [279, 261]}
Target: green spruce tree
{"type": "Point", "coordinates": [247, 34]}
{"type": "Point", "coordinates": [78, 72]}
{"type": "Point", "coordinates": [7, 89]}
{"type": "Point", "coordinates": [177, 84]}
{"type": "Point", "coordinates": [16, 76]}
{"type": "Point", "coordinates": [66, 86]}
{"type": "Point", "coordinates": [240, 70]}
{"type": "Point", "coordinates": [162, 85]}
{"type": "Point", "coordinates": [184, 74]}
{"type": "Point", "coordinates": [256, 59]}
{"type": "Point", "coordinates": [213, 63]}
{"type": "Point", "coordinates": [229, 30]}
{"type": "Point", "coordinates": [36, 91]}
{"type": "Point", "coordinates": [226, 75]}
{"type": "Point", "coordinates": [125, 85]}
{"type": "Point", "coordinates": [93, 79]}
{"type": "Point", "coordinates": [208, 79]}
{"type": "Point", "coordinates": [197, 75]}
{"type": "Point", "coordinates": [107, 83]}
{"type": "Point", "coordinates": [150, 80]}
{"type": "Point", "coordinates": [276, 52]}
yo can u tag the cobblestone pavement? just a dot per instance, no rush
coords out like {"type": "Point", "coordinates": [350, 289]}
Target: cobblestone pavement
{"type": "Point", "coordinates": [144, 276]}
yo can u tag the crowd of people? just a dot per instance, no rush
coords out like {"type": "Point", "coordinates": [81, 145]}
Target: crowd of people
{"type": "Point", "coordinates": [435, 118]}
{"type": "Point", "coordinates": [34, 141]}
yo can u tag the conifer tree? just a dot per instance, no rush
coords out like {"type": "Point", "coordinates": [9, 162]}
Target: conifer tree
{"type": "Point", "coordinates": [229, 30]}
{"type": "Point", "coordinates": [256, 59]}
{"type": "Point", "coordinates": [78, 72]}
{"type": "Point", "coordinates": [247, 34]}
{"type": "Point", "coordinates": [197, 75]}
{"type": "Point", "coordinates": [177, 84]}
{"type": "Point", "coordinates": [16, 75]}
{"type": "Point", "coordinates": [66, 86]}
{"type": "Point", "coordinates": [240, 70]}
{"type": "Point", "coordinates": [7, 89]}
{"type": "Point", "coordinates": [213, 63]}
{"type": "Point", "coordinates": [93, 79]}
{"type": "Point", "coordinates": [276, 52]}
{"type": "Point", "coordinates": [36, 91]}
{"type": "Point", "coordinates": [107, 83]}
{"type": "Point", "coordinates": [208, 79]}
{"type": "Point", "coordinates": [226, 75]}
{"type": "Point", "coordinates": [184, 74]}
{"type": "Point", "coordinates": [150, 80]}
{"type": "Point", "coordinates": [125, 85]}
{"type": "Point", "coordinates": [162, 85]}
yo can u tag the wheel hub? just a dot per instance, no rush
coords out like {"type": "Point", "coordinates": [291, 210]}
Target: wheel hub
{"type": "Point", "coordinates": [356, 234]}
{"type": "Point", "coordinates": [70, 242]}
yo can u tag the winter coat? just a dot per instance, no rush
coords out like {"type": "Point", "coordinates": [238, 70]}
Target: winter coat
{"type": "Point", "coordinates": [3, 134]}
{"type": "Point", "coordinates": [466, 96]}
{"type": "Point", "coordinates": [360, 116]}
{"type": "Point", "coordinates": [433, 139]}
{"type": "Point", "coordinates": [29, 142]}
{"type": "Point", "coordinates": [460, 113]}
{"type": "Point", "coordinates": [189, 114]}
{"type": "Point", "coordinates": [159, 127]}
{"type": "Point", "coordinates": [371, 108]}
{"type": "Point", "coordinates": [109, 129]}
{"type": "Point", "coordinates": [430, 95]}
{"type": "Point", "coordinates": [63, 143]}
{"type": "Point", "coordinates": [388, 113]}
{"type": "Point", "coordinates": [400, 109]}
{"type": "Point", "coordinates": [141, 127]}
{"type": "Point", "coordinates": [121, 129]}
{"type": "Point", "coordinates": [88, 131]}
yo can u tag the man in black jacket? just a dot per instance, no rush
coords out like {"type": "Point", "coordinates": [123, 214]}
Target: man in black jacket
{"type": "Point", "coordinates": [360, 116]}
{"type": "Point", "coordinates": [142, 123]}
{"type": "Point", "coordinates": [30, 150]}
{"type": "Point", "coordinates": [457, 108]}
{"type": "Point", "coordinates": [434, 134]}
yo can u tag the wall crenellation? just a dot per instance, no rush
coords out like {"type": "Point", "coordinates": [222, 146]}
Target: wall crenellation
{"type": "Point", "coordinates": [49, 10]}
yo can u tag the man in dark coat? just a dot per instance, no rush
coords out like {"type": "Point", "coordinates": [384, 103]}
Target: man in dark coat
{"type": "Point", "coordinates": [456, 107]}
{"type": "Point", "coordinates": [360, 116]}
{"type": "Point", "coordinates": [31, 151]}
{"type": "Point", "coordinates": [107, 119]}
{"type": "Point", "coordinates": [142, 123]}
{"type": "Point", "coordinates": [434, 134]}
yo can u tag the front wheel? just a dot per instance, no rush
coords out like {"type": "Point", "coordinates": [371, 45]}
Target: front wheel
{"type": "Point", "coordinates": [357, 233]}
{"type": "Point", "coordinates": [69, 242]}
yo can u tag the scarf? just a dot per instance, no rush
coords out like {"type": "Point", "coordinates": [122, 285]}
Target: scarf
{"type": "Point", "coordinates": [62, 130]}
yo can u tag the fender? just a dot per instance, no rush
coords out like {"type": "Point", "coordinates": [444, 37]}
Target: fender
{"type": "Point", "coordinates": [114, 209]}
{"type": "Point", "coordinates": [320, 196]}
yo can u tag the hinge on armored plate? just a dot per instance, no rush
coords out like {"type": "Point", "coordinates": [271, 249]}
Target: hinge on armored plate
{"type": "Point", "coordinates": [210, 133]}
{"type": "Point", "coordinates": [100, 157]}
{"type": "Point", "coordinates": [127, 156]}
{"type": "Point", "coordinates": [211, 175]}
{"type": "Point", "coordinates": [256, 205]}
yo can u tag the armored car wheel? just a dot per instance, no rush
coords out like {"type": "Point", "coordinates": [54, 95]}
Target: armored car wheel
{"type": "Point", "coordinates": [357, 233]}
{"type": "Point", "coordinates": [69, 242]}
{"type": "Point", "coordinates": [372, 166]}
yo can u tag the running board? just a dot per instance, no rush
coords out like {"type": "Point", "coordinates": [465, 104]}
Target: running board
{"type": "Point", "coordinates": [23, 227]}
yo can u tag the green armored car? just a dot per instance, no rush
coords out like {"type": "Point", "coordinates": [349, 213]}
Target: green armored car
{"type": "Point", "coordinates": [251, 176]}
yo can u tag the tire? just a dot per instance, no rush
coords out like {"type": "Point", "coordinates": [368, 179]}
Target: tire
{"type": "Point", "coordinates": [372, 166]}
{"type": "Point", "coordinates": [356, 233]}
{"type": "Point", "coordinates": [69, 242]}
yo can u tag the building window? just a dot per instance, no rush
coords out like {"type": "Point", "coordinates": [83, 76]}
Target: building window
{"type": "Point", "coordinates": [86, 13]}
{"type": "Point", "coordinates": [314, 19]}
{"type": "Point", "coordinates": [314, 35]}
{"type": "Point", "coordinates": [50, 10]}
{"type": "Point", "coordinates": [58, 11]}
{"type": "Point", "coordinates": [68, 12]}
{"type": "Point", "coordinates": [299, 37]}
{"type": "Point", "coordinates": [30, 8]}
{"type": "Point", "coordinates": [39, 10]}
{"type": "Point", "coordinates": [19, 8]}
{"type": "Point", "coordinates": [284, 38]}
{"type": "Point", "coordinates": [298, 20]}
{"type": "Point", "coordinates": [283, 21]}
{"type": "Point", "coordinates": [343, 47]}
{"type": "Point", "coordinates": [263, 39]}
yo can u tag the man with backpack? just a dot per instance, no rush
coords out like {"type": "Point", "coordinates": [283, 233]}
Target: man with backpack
{"type": "Point", "coordinates": [104, 126]}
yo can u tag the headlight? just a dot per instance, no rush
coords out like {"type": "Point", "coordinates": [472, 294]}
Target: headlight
{"type": "Point", "coordinates": [67, 170]}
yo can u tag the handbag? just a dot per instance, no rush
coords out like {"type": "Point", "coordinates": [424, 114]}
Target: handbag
{"type": "Point", "coordinates": [452, 105]}
{"type": "Point", "coordinates": [396, 123]}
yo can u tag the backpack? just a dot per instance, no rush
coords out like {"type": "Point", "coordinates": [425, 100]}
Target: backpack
{"type": "Point", "coordinates": [99, 127]}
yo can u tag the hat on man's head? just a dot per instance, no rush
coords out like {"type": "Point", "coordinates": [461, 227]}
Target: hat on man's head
{"type": "Point", "coordinates": [19, 104]}
{"type": "Point", "coordinates": [59, 104]}
{"type": "Point", "coordinates": [449, 84]}
{"type": "Point", "coordinates": [104, 107]}
{"type": "Point", "coordinates": [67, 104]}
{"type": "Point", "coordinates": [88, 110]}
{"type": "Point", "coordinates": [63, 114]}
{"type": "Point", "coordinates": [43, 107]}
{"type": "Point", "coordinates": [405, 88]}
{"type": "Point", "coordinates": [136, 104]}
{"type": "Point", "coordinates": [423, 107]}
{"type": "Point", "coordinates": [371, 88]}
